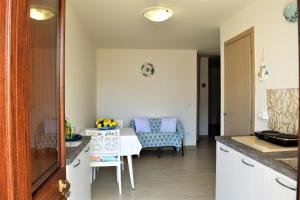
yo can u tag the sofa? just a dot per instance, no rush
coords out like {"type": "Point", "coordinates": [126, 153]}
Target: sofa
{"type": "Point", "coordinates": [158, 139]}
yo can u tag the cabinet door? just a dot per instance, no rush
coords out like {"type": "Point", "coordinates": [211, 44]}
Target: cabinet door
{"type": "Point", "coordinates": [248, 178]}
{"type": "Point", "coordinates": [224, 173]}
{"type": "Point", "coordinates": [86, 178]}
{"type": "Point", "coordinates": [78, 174]}
{"type": "Point", "coordinates": [73, 176]}
{"type": "Point", "coordinates": [278, 186]}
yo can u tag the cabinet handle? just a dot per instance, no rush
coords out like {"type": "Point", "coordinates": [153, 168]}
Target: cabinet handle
{"type": "Point", "coordinates": [224, 150]}
{"type": "Point", "coordinates": [77, 164]}
{"type": "Point", "coordinates": [284, 185]}
{"type": "Point", "coordinates": [248, 164]}
{"type": "Point", "coordinates": [87, 149]}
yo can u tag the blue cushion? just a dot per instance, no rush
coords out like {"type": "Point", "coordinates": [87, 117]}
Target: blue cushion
{"type": "Point", "coordinates": [109, 158]}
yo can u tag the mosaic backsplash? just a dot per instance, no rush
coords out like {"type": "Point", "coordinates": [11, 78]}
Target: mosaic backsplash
{"type": "Point", "coordinates": [283, 109]}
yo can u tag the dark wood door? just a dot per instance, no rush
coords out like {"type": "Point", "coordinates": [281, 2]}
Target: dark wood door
{"type": "Point", "coordinates": [32, 98]}
{"type": "Point", "coordinates": [298, 179]}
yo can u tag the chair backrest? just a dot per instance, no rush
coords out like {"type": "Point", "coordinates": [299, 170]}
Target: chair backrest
{"type": "Point", "coordinates": [120, 122]}
{"type": "Point", "coordinates": [104, 143]}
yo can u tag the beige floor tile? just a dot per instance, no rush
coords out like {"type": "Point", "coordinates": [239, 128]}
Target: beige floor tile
{"type": "Point", "coordinates": [171, 177]}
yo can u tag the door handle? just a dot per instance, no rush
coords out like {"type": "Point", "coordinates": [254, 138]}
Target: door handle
{"type": "Point", "coordinates": [224, 150]}
{"type": "Point", "coordinates": [284, 185]}
{"type": "Point", "coordinates": [64, 187]}
{"type": "Point", "coordinates": [226, 115]}
{"type": "Point", "coordinates": [248, 164]}
{"type": "Point", "coordinates": [77, 164]}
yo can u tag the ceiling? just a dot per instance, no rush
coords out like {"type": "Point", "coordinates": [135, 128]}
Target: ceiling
{"type": "Point", "coordinates": [120, 24]}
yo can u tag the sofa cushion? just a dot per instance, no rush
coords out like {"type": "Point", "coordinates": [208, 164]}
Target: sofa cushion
{"type": "Point", "coordinates": [142, 125]}
{"type": "Point", "coordinates": [155, 124]}
{"type": "Point", "coordinates": [168, 125]}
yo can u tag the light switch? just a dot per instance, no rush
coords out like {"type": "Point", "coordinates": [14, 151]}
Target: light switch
{"type": "Point", "coordinates": [263, 115]}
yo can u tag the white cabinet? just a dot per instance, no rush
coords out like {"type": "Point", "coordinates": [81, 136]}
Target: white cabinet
{"type": "Point", "coordinates": [248, 178]}
{"type": "Point", "coordinates": [224, 172]}
{"type": "Point", "coordinates": [279, 186]}
{"type": "Point", "coordinates": [78, 174]}
{"type": "Point", "coordinates": [239, 177]}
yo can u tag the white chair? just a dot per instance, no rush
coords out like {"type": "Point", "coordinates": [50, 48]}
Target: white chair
{"type": "Point", "coordinates": [120, 122]}
{"type": "Point", "coordinates": [104, 151]}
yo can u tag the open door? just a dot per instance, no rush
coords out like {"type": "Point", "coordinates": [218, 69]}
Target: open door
{"type": "Point", "coordinates": [298, 177]}
{"type": "Point", "coordinates": [32, 99]}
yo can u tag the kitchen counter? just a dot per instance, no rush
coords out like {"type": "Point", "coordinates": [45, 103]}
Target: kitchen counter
{"type": "Point", "coordinates": [267, 159]}
{"type": "Point", "coordinates": [73, 152]}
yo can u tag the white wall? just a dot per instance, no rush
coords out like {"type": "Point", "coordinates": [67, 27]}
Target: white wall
{"type": "Point", "coordinates": [80, 73]}
{"type": "Point", "coordinates": [277, 37]}
{"type": "Point", "coordinates": [124, 93]}
{"type": "Point", "coordinates": [203, 108]}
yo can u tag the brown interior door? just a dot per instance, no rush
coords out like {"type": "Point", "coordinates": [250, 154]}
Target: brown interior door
{"type": "Point", "coordinates": [32, 99]}
{"type": "Point", "coordinates": [238, 85]}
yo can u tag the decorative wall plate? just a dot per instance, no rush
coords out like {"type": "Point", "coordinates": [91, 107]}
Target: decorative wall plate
{"type": "Point", "coordinates": [263, 73]}
{"type": "Point", "coordinates": [290, 12]}
{"type": "Point", "coordinates": [147, 69]}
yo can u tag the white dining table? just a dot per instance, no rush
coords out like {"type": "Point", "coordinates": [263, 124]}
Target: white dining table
{"type": "Point", "coordinates": [129, 146]}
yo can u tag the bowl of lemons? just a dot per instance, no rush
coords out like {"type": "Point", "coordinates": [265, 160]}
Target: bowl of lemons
{"type": "Point", "coordinates": [106, 124]}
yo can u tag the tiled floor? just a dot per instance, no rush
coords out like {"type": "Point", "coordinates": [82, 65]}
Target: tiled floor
{"type": "Point", "coordinates": [170, 177]}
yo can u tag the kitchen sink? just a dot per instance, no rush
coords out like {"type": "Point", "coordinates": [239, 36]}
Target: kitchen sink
{"type": "Point", "coordinates": [291, 162]}
{"type": "Point", "coordinates": [72, 144]}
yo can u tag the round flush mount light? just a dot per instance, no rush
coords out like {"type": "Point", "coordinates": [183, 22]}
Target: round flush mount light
{"type": "Point", "coordinates": [41, 12]}
{"type": "Point", "coordinates": [157, 14]}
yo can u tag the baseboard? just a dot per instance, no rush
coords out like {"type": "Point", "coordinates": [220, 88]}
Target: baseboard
{"type": "Point", "coordinates": [203, 136]}
{"type": "Point", "coordinates": [190, 147]}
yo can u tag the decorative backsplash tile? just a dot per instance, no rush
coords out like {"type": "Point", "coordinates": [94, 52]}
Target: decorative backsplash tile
{"type": "Point", "coordinates": [283, 109]}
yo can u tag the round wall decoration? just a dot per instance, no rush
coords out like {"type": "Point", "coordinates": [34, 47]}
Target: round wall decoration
{"type": "Point", "coordinates": [147, 69]}
{"type": "Point", "coordinates": [290, 12]}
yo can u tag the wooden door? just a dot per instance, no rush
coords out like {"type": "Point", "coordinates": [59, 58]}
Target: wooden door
{"type": "Point", "coordinates": [32, 95]}
{"type": "Point", "coordinates": [238, 110]}
{"type": "Point", "coordinates": [298, 171]}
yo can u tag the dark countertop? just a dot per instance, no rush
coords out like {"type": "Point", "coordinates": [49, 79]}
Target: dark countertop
{"type": "Point", "coordinates": [73, 152]}
{"type": "Point", "coordinates": [267, 159]}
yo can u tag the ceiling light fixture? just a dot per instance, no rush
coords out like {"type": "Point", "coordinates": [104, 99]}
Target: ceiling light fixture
{"type": "Point", "coordinates": [157, 14]}
{"type": "Point", "coordinates": [41, 12]}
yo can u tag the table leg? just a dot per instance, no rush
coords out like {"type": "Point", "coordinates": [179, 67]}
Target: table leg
{"type": "Point", "coordinates": [129, 160]}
